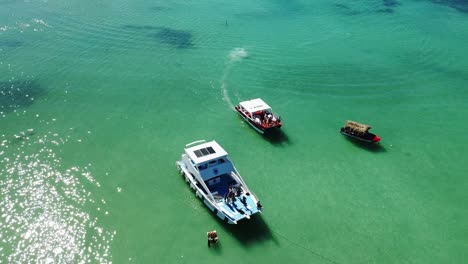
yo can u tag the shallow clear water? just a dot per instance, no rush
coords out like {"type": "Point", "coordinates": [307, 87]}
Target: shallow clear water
{"type": "Point", "coordinates": [98, 100]}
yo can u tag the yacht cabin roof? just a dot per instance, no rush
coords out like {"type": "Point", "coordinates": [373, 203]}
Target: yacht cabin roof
{"type": "Point", "coordinates": [254, 105]}
{"type": "Point", "coordinates": [205, 152]}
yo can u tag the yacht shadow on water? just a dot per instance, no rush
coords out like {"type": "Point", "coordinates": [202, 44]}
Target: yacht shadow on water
{"type": "Point", "coordinates": [277, 137]}
{"type": "Point", "coordinates": [253, 230]}
{"type": "Point", "coordinates": [372, 147]}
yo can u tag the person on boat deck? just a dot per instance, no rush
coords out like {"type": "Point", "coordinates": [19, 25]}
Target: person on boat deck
{"type": "Point", "coordinates": [273, 119]}
{"type": "Point", "coordinates": [231, 195]}
{"type": "Point", "coordinates": [212, 237]}
{"type": "Point", "coordinates": [257, 120]}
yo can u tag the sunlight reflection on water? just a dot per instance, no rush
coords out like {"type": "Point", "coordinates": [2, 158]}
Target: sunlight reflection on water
{"type": "Point", "coordinates": [42, 216]}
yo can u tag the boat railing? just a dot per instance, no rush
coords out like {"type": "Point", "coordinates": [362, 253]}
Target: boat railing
{"type": "Point", "coordinates": [195, 142]}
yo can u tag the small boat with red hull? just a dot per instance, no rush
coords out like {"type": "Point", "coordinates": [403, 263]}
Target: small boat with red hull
{"type": "Point", "coordinates": [259, 115]}
{"type": "Point", "coordinates": [359, 131]}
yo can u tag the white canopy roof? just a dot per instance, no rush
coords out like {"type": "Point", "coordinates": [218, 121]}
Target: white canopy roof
{"type": "Point", "coordinates": [205, 152]}
{"type": "Point", "coordinates": [255, 105]}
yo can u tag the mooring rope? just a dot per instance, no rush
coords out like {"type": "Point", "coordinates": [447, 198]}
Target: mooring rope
{"type": "Point", "coordinates": [304, 248]}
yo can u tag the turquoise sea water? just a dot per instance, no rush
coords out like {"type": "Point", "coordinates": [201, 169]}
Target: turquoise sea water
{"type": "Point", "coordinates": [98, 100]}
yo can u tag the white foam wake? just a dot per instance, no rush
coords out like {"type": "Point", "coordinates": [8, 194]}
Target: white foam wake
{"type": "Point", "coordinates": [40, 22]}
{"type": "Point", "coordinates": [238, 54]}
{"type": "Point", "coordinates": [235, 55]}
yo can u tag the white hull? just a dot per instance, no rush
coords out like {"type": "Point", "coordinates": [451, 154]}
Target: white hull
{"type": "Point", "coordinates": [215, 180]}
{"type": "Point", "coordinates": [250, 124]}
{"type": "Point", "coordinates": [200, 194]}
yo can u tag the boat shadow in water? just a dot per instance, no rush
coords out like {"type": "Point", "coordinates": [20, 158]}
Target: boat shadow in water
{"type": "Point", "coordinates": [372, 147]}
{"type": "Point", "coordinates": [253, 230]}
{"type": "Point", "coordinates": [176, 38]}
{"type": "Point", "coordinates": [277, 137]}
{"type": "Point", "coordinates": [216, 249]}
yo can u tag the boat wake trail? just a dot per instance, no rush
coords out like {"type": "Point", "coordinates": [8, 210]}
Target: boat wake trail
{"type": "Point", "coordinates": [236, 55]}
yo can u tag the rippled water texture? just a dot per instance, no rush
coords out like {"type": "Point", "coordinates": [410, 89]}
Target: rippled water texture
{"type": "Point", "coordinates": [98, 99]}
{"type": "Point", "coordinates": [42, 217]}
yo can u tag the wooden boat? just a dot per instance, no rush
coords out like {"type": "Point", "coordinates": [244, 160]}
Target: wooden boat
{"type": "Point", "coordinates": [208, 170]}
{"type": "Point", "coordinates": [359, 131]}
{"type": "Point", "coordinates": [258, 115]}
